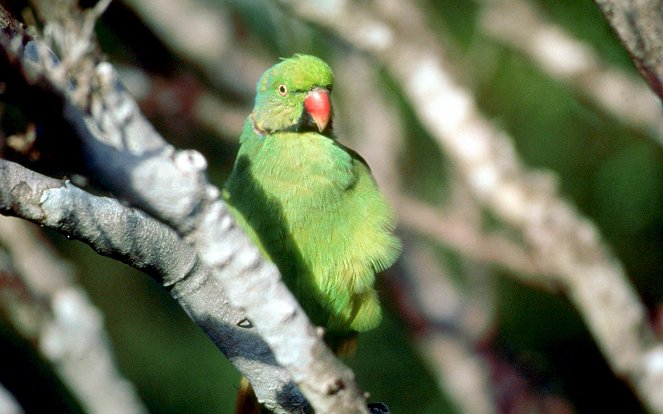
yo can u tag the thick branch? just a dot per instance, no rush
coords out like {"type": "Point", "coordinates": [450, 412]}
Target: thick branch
{"type": "Point", "coordinates": [639, 26]}
{"type": "Point", "coordinates": [8, 403]}
{"type": "Point", "coordinates": [135, 238]}
{"type": "Point", "coordinates": [127, 156]}
{"type": "Point", "coordinates": [67, 327]}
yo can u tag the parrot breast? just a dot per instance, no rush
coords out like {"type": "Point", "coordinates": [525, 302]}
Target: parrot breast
{"type": "Point", "coordinates": [314, 209]}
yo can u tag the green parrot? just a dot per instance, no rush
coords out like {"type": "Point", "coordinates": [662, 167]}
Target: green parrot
{"type": "Point", "coordinates": [311, 204]}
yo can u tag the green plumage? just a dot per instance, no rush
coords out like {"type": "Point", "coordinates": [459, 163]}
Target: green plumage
{"type": "Point", "coordinates": [310, 203]}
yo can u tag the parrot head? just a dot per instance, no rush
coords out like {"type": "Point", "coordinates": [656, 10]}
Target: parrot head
{"type": "Point", "coordinates": [293, 95]}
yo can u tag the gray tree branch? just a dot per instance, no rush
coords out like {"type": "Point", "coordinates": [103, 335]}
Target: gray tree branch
{"type": "Point", "coordinates": [133, 237]}
{"type": "Point", "coordinates": [56, 314]}
{"type": "Point", "coordinates": [521, 26]}
{"type": "Point", "coordinates": [8, 404]}
{"type": "Point", "coordinates": [638, 25]}
{"type": "Point", "coordinates": [126, 155]}
{"type": "Point", "coordinates": [215, 50]}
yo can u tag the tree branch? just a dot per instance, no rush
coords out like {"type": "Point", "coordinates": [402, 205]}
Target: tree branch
{"type": "Point", "coordinates": [519, 25]}
{"type": "Point", "coordinates": [638, 26]}
{"type": "Point", "coordinates": [126, 155]}
{"type": "Point", "coordinates": [444, 323]}
{"type": "Point", "coordinates": [563, 242]}
{"type": "Point", "coordinates": [8, 404]}
{"type": "Point", "coordinates": [449, 323]}
{"type": "Point", "coordinates": [65, 324]}
{"type": "Point", "coordinates": [135, 238]}
{"type": "Point", "coordinates": [215, 50]}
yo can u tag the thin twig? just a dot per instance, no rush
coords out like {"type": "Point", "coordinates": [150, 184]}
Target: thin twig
{"type": "Point", "coordinates": [448, 331]}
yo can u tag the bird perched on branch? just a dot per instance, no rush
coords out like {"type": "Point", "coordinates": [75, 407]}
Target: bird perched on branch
{"type": "Point", "coordinates": [311, 204]}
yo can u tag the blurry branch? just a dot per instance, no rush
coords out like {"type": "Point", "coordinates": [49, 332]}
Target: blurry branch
{"type": "Point", "coordinates": [126, 155]}
{"type": "Point", "coordinates": [214, 51]}
{"type": "Point", "coordinates": [447, 331]}
{"type": "Point", "coordinates": [182, 96]}
{"type": "Point", "coordinates": [219, 116]}
{"type": "Point", "coordinates": [639, 25]}
{"type": "Point", "coordinates": [444, 322]}
{"type": "Point", "coordinates": [381, 141]}
{"type": "Point", "coordinates": [8, 405]}
{"type": "Point", "coordinates": [68, 329]}
{"type": "Point", "coordinates": [470, 240]}
{"type": "Point", "coordinates": [562, 242]}
{"type": "Point", "coordinates": [519, 25]}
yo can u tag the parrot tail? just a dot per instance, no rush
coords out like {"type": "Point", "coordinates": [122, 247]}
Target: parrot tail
{"type": "Point", "coordinates": [247, 402]}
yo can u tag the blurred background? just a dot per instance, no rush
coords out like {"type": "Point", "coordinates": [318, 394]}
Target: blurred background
{"type": "Point", "coordinates": [462, 315]}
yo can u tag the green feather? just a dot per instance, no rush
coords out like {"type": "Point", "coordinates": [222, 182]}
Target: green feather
{"type": "Point", "coordinates": [311, 204]}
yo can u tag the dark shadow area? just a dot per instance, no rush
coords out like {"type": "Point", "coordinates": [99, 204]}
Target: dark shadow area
{"type": "Point", "coordinates": [265, 215]}
{"type": "Point", "coordinates": [30, 379]}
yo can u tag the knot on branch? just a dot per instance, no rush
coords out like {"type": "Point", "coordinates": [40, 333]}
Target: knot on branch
{"type": "Point", "coordinates": [190, 161]}
{"type": "Point", "coordinates": [334, 386]}
{"type": "Point", "coordinates": [23, 199]}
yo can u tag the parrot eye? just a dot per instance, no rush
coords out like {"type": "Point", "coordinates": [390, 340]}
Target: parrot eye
{"type": "Point", "coordinates": [283, 90]}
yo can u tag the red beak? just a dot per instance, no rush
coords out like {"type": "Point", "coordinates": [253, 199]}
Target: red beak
{"type": "Point", "coordinates": [318, 105]}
